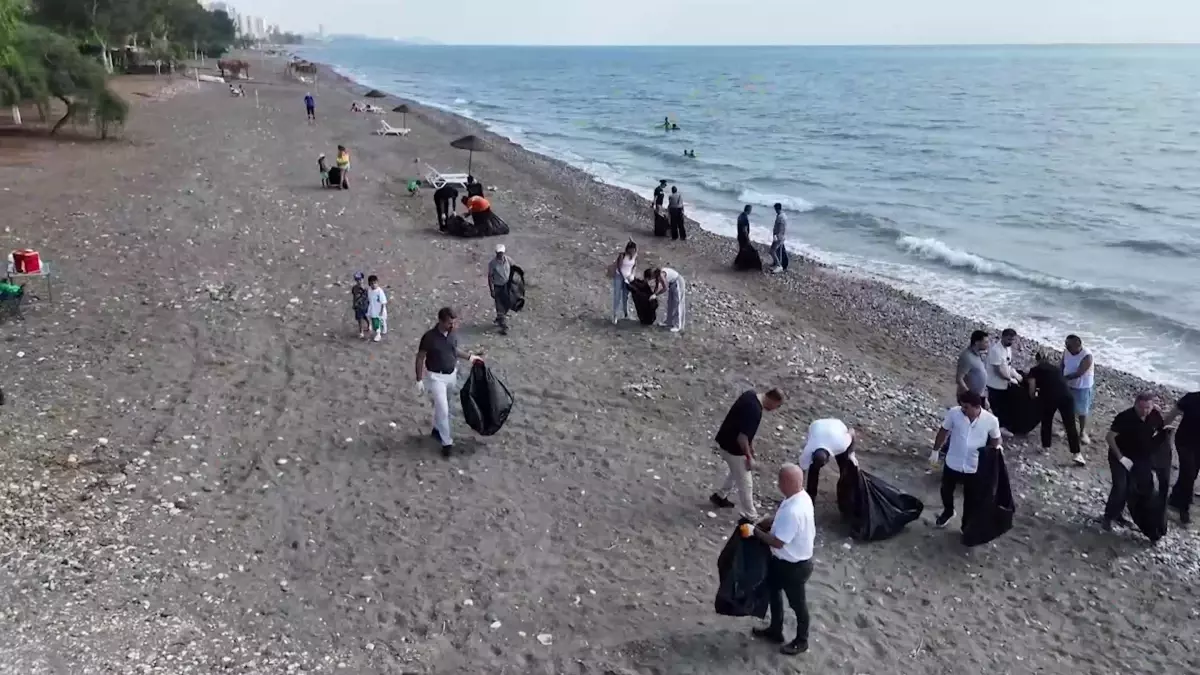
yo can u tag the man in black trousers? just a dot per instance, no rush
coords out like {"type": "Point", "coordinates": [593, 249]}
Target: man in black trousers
{"type": "Point", "coordinates": [675, 211]}
{"type": "Point", "coordinates": [443, 200]}
{"type": "Point", "coordinates": [1187, 445]}
{"type": "Point", "coordinates": [1048, 387]}
{"type": "Point", "coordinates": [1134, 437]}
{"type": "Point", "coordinates": [790, 534]}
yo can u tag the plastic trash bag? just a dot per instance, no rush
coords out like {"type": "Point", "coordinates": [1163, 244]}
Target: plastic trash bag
{"type": "Point", "coordinates": [514, 290]}
{"type": "Point", "coordinates": [742, 568]}
{"type": "Point", "coordinates": [874, 509]}
{"type": "Point", "coordinates": [747, 259]}
{"type": "Point", "coordinates": [486, 402]}
{"type": "Point", "coordinates": [661, 224]}
{"type": "Point", "coordinates": [1018, 411]}
{"type": "Point", "coordinates": [644, 301]}
{"type": "Point", "coordinates": [990, 511]}
{"type": "Point", "coordinates": [1147, 496]}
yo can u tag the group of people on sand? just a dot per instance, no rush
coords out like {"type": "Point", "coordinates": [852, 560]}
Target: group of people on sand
{"type": "Point", "coordinates": [336, 176]}
{"type": "Point", "coordinates": [1138, 437]}
{"type": "Point", "coordinates": [658, 281]}
{"type": "Point", "coordinates": [747, 256]}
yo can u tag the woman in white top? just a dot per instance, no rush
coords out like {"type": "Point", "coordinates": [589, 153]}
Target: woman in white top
{"type": "Point", "coordinates": [621, 272]}
{"type": "Point", "coordinates": [669, 281]}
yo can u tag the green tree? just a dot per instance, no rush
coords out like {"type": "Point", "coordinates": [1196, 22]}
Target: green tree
{"type": "Point", "coordinates": [67, 75]}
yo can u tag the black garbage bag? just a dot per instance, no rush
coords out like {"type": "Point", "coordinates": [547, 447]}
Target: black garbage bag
{"type": "Point", "coordinates": [742, 569]}
{"type": "Point", "coordinates": [1147, 496]}
{"type": "Point", "coordinates": [748, 259]}
{"type": "Point", "coordinates": [661, 224]}
{"type": "Point", "coordinates": [488, 224]}
{"type": "Point", "coordinates": [874, 509]}
{"type": "Point", "coordinates": [486, 402]}
{"type": "Point", "coordinates": [644, 301]}
{"type": "Point", "coordinates": [335, 177]}
{"type": "Point", "coordinates": [990, 510]}
{"type": "Point", "coordinates": [1017, 410]}
{"type": "Point", "coordinates": [514, 290]}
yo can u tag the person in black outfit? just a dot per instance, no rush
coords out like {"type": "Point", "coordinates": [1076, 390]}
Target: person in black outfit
{"type": "Point", "coordinates": [660, 193]}
{"type": "Point", "coordinates": [1134, 437]}
{"type": "Point", "coordinates": [675, 213]}
{"type": "Point", "coordinates": [735, 444]}
{"type": "Point", "coordinates": [474, 187]}
{"type": "Point", "coordinates": [1048, 387]}
{"type": "Point", "coordinates": [1187, 445]}
{"type": "Point", "coordinates": [443, 200]}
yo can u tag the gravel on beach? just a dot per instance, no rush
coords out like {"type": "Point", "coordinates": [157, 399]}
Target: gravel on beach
{"type": "Point", "coordinates": [205, 471]}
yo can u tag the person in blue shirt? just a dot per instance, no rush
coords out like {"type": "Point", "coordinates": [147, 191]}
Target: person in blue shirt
{"type": "Point", "coordinates": [310, 104]}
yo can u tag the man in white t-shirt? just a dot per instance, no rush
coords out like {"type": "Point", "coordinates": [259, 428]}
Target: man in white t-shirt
{"type": "Point", "coordinates": [791, 534]}
{"type": "Point", "coordinates": [376, 307]}
{"type": "Point", "coordinates": [827, 438]}
{"type": "Point", "coordinates": [968, 428]}
{"type": "Point", "coordinates": [1000, 374]}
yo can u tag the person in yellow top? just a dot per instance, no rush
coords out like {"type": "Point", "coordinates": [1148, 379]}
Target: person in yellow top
{"type": "Point", "coordinates": [343, 164]}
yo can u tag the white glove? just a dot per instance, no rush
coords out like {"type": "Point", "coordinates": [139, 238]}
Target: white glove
{"type": "Point", "coordinates": [854, 459]}
{"type": "Point", "coordinates": [935, 457]}
{"type": "Point", "coordinates": [1127, 463]}
{"type": "Point", "coordinates": [420, 388]}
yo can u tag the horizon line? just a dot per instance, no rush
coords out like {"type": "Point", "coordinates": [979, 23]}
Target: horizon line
{"type": "Point", "coordinates": [428, 42]}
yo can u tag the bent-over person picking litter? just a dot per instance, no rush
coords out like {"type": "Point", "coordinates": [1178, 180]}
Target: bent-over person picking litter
{"type": "Point", "coordinates": [437, 372]}
{"type": "Point", "coordinates": [735, 444]}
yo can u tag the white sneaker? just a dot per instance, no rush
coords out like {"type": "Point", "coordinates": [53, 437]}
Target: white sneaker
{"type": "Point", "coordinates": [1085, 439]}
{"type": "Point", "coordinates": [614, 320]}
{"type": "Point", "coordinates": [674, 330]}
{"type": "Point", "coordinates": [1079, 460]}
{"type": "Point", "coordinates": [361, 335]}
{"type": "Point", "coordinates": [378, 337]}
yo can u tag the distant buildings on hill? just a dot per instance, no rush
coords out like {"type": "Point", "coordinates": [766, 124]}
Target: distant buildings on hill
{"type": "Point", "coordinates": [250, 27]}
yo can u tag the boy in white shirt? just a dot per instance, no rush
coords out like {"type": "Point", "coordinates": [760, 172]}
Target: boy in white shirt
{"type": "Point", "coordinates": [377, 307]}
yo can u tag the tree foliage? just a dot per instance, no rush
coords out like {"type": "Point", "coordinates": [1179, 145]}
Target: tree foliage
{"type": "Point", "coordinates": [57, 69]}
{"type": "Point", "coordinates": [185, 24]}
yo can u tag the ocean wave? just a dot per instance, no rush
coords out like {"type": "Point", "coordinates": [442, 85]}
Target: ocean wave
{"type": "Point", "coordinates": [1152, 247]}
{"type": "Point", "coordinates": [789, 202]}
{"type": "Point", "coordinates": [936, 250]}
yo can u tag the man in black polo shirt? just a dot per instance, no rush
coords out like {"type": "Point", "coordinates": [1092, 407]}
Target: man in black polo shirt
{"type": "Point", "coordinates": [443, 200]}
{"type": "Point", "coordinates": [1048, 387]}
{"type": "Point", "coordinates": [436, 369]}
{"type": "Point", "coordinates": [1134, 438]}
{"type": "Point", "coordinates": [735, 443]}
{"type": "Point", "coordinates": [1187, 445]}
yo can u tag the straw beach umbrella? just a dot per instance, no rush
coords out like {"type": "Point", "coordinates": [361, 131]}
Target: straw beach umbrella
{"type": "Point", "coordinates": [375, 93]}
{"type": "Point", "coordinates": [403, 110]}
{"type": "Point", "coordinates": [472, 144]}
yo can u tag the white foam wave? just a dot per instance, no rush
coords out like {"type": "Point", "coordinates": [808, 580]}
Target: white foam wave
{"type": "Point", "coordinates": [461, 101]}
{"type": "Point", "coordinates": [789, 202]}
{"type": "Point", "coordinates": [937, 250]}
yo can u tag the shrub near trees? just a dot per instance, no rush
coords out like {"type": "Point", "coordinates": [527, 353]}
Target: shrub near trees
{"type": "Point", "coordinates": [42, 45]}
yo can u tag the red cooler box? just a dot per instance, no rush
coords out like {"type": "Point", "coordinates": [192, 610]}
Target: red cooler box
{"type": "Point", "coordinates": [27, 261]}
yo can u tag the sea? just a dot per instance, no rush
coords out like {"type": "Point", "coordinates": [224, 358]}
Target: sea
{"type": "Point", "coordinates": [1054, 189]}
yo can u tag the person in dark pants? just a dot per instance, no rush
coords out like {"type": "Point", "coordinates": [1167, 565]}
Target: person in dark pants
{"type": "Point", "coordinates": [1187, 445]}
{"type": "Point", "coordinates": [310, 105]}
{"type": "Point", "coordinates": [443, 200]}
{"type": "Point", "coordinates": [660, 193]}
{"type": "Point", "coordinates": [1049, 388]}
{"type": "Point", "coordinates": [675, 213]}
{"type": "Point", "coordinates": [827, 439]}
{"type": "Point", "coordinates": [790, 534]}
{"type": "Point", "coordinates": [474, 187]}
{"type": "Point", "coordinates": [1134, 437]}
{"type": "Point", "coordinates": [967, 428]}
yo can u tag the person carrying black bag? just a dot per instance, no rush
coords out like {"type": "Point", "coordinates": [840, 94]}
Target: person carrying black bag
{"type": "Point", "coordinates": [1134, 438]}
{"type": "Point", "coordinates": [1048, 388]}
{"type": "Point", "coordinates": [1187, 445]}
{"type": "Point", "coordinates": [791, 534]}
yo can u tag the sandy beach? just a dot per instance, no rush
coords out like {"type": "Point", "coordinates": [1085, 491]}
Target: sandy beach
{"type": "Point", "coordinates": [205, 471]}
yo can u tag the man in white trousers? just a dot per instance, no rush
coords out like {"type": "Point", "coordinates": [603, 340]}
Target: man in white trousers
{"type": "Point", "coordinates": [437, 372]}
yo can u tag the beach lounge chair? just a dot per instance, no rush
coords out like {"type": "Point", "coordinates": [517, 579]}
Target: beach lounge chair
{"type": "Point", "coordinates": [386, 129]}
{"type": "Point", "coordinates": [438, 179]}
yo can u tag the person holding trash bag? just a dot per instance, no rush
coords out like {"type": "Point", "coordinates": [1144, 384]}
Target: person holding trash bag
{"type": "Point", "coordinates": [498, 272]}
{"type": "Point", "coordinates": [742, 570]}
{"type": "Point", "coordinates": [437, 371]}
{"type": "Point", "coordinates": [1187, 445]}
{"type": "Point", "coordinates": [827, 439]}
{"type": "Point", "coordinates": [791, 534]}
{"type": "Point", "coordinates": [1048, 386]}
{"type": "Point", "coordinates": [486, 402]}
{"type": "Point", "coordinates": [967, 427]}
{"type": "Point", "coordinates": [1134, 443]}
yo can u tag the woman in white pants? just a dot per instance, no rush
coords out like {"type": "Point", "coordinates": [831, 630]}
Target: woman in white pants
{"type": "Point", "coordinates": [437, 372]}
{"type": "Point", "coordinates": [667, 280]}
{"type": "Point", "coordinates": [621, 272]}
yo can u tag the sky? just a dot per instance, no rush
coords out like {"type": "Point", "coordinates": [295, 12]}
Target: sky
{"type": "Point", "coordinates": [743, 22]}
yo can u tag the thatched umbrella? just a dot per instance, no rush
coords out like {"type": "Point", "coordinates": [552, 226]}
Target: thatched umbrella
{"type": "Point", "coordinates": [471, 144]}
{"type": "Point", "coordinates": [403, 110]}
{"type": "Point", "coordinates": [375, 93]}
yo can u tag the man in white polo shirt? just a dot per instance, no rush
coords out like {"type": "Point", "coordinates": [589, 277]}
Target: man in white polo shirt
{"type": "Point", "coordinates": [827, 438]}
{"type": "Point", "coordinates": [790, 534]}
{"type": "Point", "coordinates": [968, 427]}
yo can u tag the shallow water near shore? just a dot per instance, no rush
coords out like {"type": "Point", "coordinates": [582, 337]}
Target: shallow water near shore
{"type": "Point", "coordinates": [1048, 188]}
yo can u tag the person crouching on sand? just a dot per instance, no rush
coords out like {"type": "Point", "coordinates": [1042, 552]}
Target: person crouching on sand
{"type": "Point", "coordinates": [791, 534]}
{"type": "Point", "coordinates": [443, 201]}
{"type": "Point", "coordinates": [621, 273]}
{"type": "Point", "coordinates": [735, 444]}
{"type": "Point", "coordinates": [667, 280]}
{"type": "Point", "coordinates": [437, 371]}
{"type": "Point", "coordinates": [827, 439]}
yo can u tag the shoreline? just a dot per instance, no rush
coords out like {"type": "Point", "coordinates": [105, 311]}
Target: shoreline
{"type": "Point", "coordinates": [1120, 383]}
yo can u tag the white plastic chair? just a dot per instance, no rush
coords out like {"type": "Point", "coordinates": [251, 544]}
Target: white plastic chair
{"type": "Point", "coordinates": [386, 129]}
{"type": "Point", "coordinates": [438, 179]}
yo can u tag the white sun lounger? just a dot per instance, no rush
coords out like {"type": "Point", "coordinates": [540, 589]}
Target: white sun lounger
{"type": "Point", "coordinates": [438, 179]}
{"type": "Point", "coordinates": [386, 129]}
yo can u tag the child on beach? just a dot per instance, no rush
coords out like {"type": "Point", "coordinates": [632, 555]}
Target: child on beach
{"type": "Point", "coordinates": [358, 295]}
{"type": "Point", "coordinates": [377, 307]}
